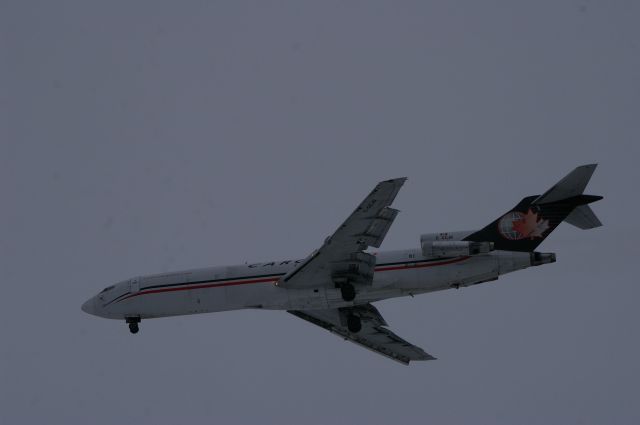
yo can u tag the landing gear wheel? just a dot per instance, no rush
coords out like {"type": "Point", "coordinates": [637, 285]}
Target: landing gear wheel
{"type": "Point", "coordinates": [133, 324]}
{"type": "Point", "coordinates": [354, 324]}
{"type": "Point", "coordinates": [347, 291]}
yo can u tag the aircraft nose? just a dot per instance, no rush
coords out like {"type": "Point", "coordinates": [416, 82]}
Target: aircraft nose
{"type": "Point", "coordinates": [89, 306]}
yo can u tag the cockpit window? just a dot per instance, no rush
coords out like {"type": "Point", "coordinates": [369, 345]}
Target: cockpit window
{"type": "Point", "coordinates": [108, 288]}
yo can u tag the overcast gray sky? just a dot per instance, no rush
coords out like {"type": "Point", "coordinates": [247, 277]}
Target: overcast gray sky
{"type": "Point", "coordinates": [138, 137]}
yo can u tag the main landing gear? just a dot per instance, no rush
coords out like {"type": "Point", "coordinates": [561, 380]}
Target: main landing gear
{"type": "Point", "coordinates": [347, 291]}
{"type": "Point", "coordinates": [354, 324]}
{"type": "Point", "coordinates": [133, 324]}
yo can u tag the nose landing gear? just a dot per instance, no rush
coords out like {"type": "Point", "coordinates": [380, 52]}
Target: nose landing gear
{"type": "Point", "coordinates": [133, 324]}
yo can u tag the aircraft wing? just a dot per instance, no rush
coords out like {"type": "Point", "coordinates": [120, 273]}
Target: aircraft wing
{"type": "Point", "coordinates": [341, 255]}
{"type": "Point", "coordinates": [374, 335]}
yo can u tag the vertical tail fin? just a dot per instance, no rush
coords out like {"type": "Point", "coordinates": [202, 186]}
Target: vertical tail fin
{"type": "Point", "coordinates": [527, 224]}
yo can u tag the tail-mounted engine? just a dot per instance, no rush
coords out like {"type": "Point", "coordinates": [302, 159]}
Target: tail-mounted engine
{"type": "Point", "coordinates": [441, 245]}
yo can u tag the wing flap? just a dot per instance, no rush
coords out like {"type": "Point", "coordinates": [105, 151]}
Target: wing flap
{"type": "Point", "coordinates": [380, 225]}
{"type": "Point", "coordinates": [373, 335]}
{"type": "Point", "coordinates": [366, 226]}
{"type": "Point", "coordinates": [382, 341]}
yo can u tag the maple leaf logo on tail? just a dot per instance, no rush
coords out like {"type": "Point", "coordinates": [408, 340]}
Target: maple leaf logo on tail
{"type": "Point", "coordinates": [530, 226]}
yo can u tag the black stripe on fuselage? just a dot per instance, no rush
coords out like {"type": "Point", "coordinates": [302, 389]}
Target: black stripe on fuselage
{"type": "Point", "coordinates": [118, 298]}
{"type": "Point", "coordinates": [200, 282]}
{"type": "Point", "coordinates": [227, 279]}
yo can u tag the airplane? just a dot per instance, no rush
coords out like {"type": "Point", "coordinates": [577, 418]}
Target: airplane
{"type": "Point", "coordinates": [336, 285]}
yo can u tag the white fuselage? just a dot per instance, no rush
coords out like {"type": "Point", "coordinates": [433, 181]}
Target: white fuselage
{"type": "Point", "coordinates": [397, 273]}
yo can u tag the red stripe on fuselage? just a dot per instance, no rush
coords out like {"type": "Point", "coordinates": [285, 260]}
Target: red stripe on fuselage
{"type": "Point", "coordinates": [275, 279]}
{"type": "Point", "coordinates": [208, 285]}
{"type": "Point", "coordinates": [420, 266]}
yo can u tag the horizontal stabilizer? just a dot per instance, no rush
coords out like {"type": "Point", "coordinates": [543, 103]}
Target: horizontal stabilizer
{"type": "Point", "coordinates": [573, 184]}
{"type": "Point", "coordinates": [583, 217]}
{"type": "Point", "coordinates": [527, 224]}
